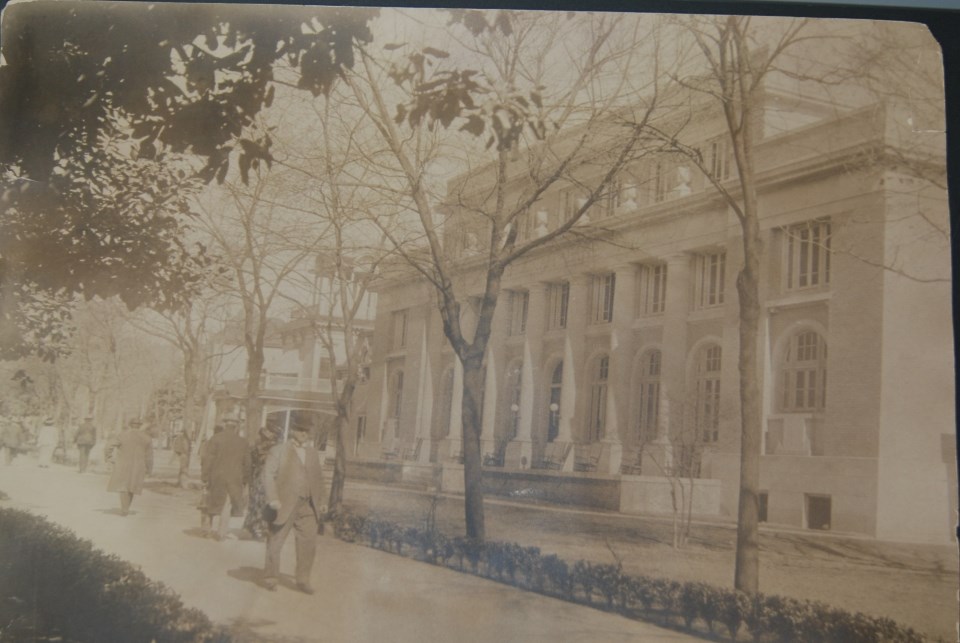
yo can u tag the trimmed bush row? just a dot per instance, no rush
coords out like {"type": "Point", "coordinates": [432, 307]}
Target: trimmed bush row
{"type": "Point", "coordinates": [721, 614]}
{"type": "Point", "coordinates": [55, 586]}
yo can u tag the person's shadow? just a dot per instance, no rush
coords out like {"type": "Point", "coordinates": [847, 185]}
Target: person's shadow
{"type": "Point", "coordinates": [117, 512]}
{"type": "Point", "coordinates": [195, 532]}
{"type": "Point", "coordinates": [255, 575]}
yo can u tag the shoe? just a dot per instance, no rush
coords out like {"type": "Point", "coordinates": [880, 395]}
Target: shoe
{"type": "Point", "coordinates": [270, 584]}
{"type": "Point", "coordinates": [305, 588]}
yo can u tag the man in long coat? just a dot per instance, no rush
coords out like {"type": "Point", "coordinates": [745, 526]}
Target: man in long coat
{"type": "Point", "coordinates": [132, 454]}
{"type": "Point", "coordinates": [297, 496]}
{"type": "Point", "coordinates": [225, 471]}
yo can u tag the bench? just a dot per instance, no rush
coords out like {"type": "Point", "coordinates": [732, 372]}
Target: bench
{"type": "Point", "coordinates": [632, 461]}
{"type": "Point", "coordinates": [588, 457]}
{"type": "Point", "coordinates": [412, 451]}
{"type": "Point", "coordinates": [554, 456]}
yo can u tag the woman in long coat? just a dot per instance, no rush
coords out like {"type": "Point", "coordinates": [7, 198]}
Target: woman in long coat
{"type": "Point", "coordinates": [132, 463]}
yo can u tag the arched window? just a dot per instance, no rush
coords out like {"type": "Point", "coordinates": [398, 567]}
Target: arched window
{"type": "Point", "coordinates": [708, 393]}
{"type": "Point", "coordinates": [648, 396]}
{"type": "Point", "coordinates": [804, 373]}
{"type": "Point", "coordinates": [556, 389]}
{"type": "Point", "coordinates": [598, 398]}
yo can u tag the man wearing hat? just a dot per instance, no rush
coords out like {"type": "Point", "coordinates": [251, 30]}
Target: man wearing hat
{"type": "Point", "coordinates": [85, 438]}
{"type": "Point", "coordinates": [225, 471]}
{"type": "Point", "coordinates": [297, 499]}
{"type": "Point", "coordinates": [133, 449]}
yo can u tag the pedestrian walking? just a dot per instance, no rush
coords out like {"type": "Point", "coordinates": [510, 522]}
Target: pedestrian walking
{"type": "Point", "coordinates": [133, 462]}
{"type": "Point", "coordinates": [225, 471]}
{"type": "Point", "coordinates": [297, 496]}
{"type": "Point", "coordinates": [48, 437]}
{"type": "Point", "coordinates": [181, 448]}
{"type": "Point", "coordinates": [85, 438]}
{"type": "Point", "coordinates": [255, 523]}
{"type": "Point", "coordinates": [13, 439]}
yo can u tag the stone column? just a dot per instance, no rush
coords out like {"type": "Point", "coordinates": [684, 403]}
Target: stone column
{"type": "Point", "coordinates": [571, 412]}
{"type": "Point", "coordinates": [490, 384]}
{"type": "Point", "coordinates": [424, 399]}
{"type": "Point", "coordinates": [674, 349]}
{"type": "Point", "coordinates": [618, 374]}
{"type": "Point", "coordinates": [519, 453]}
{"type": "Point", "coordinates": [455, 439]}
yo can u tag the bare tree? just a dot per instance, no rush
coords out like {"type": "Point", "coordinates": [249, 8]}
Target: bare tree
{"type": "Point", "coordinates": [330, 155]}
{"type": "Point", "coordinates": [732, 67]}
{"type": "Point", "coordinates": [555, 87]}
{"type": "Point", "coordinates": [263, 240]}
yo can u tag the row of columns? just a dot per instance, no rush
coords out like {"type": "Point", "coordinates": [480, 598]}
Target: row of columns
{"type": "Point", "coordinates": [573, 410]}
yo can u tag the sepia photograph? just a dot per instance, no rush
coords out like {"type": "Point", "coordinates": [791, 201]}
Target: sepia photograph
{"type": "Point", "coordinates": [530, 325]}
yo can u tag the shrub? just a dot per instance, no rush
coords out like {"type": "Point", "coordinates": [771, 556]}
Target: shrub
{"type": "Point", "coordinates": [767, 618]}
{"type": "Point", "coordinates": [74, 592]}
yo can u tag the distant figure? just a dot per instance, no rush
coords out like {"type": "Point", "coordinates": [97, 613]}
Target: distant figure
{"type": "Point", "coordinates": [47, 439]}
{"type": "Point", "coordinates": [134, 461]}
{"type": "Point", "coordinates": [293, 481]}
{"type": "Point", "coordinates": [13, 439]}
{"type": "Point", "coordinates": [225, 470]}
{"type": "Point", "coordinates": [85, 438]}
{"type": "Point", "coordinates": [181, 448]}
{"type": "Point", "coordinates": [255, 523]}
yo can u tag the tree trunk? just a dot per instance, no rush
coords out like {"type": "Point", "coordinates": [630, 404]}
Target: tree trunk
{"type": "Point", "coordinates": [747, 574]}
{"type": "Point", "coordinates": [342, 424]}
{"type": "Point", "coordinates": [472, 472]}
{"type": "Point", "coordinates": [254, 405]}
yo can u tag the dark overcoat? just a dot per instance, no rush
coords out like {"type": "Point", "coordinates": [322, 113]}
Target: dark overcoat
{"type": "Point", "coordinates": [224, 468]}
{"type": "Point", "coordinates": [132, 454]}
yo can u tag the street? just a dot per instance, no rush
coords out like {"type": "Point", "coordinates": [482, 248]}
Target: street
{"type": "Point", "coordinates": [362, 594]}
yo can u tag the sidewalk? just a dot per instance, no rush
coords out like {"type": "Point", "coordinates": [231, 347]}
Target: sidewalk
{"type": "Point", "coordinates": [362, 594]}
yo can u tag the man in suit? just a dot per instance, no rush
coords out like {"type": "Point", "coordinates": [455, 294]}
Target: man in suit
{"type": "Point", "coordinates": [296, 494]}
{"type": "Point", "coordinates": [225, 470]}
{"type": "Point", "coordinates": [134, 461]}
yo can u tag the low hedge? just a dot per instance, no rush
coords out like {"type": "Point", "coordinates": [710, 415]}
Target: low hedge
{"type": "Point", "coordinates": [718, 613]}
{"type": "Point", "coordinates": [55, 586]}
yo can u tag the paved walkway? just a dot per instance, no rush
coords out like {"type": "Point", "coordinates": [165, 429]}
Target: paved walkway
{"type": "Point", "coordinates": [362, 594]}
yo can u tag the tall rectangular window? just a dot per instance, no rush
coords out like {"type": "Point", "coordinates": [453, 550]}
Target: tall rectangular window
{"type": "Point", "coordinates": [807, 255]}
{"type": "Point", "coordinates": [651, 289]}
{"type": "Point", "coordinates": [519, 304]}
{"type": "Point", "coordinates": [558, 296]}
{"type": "Point", "coordinates": [601, 298]}
{"type": "Point", "coordinates": [710, 275]}
{"type": "Point", "coordinates": [718, 158]}
{"type": "Point", "coordinates": [569, 204]}
{"type": "Point", "coordinates": [611, 202]}
{"type": "Point", "coordinates": [399, 329]}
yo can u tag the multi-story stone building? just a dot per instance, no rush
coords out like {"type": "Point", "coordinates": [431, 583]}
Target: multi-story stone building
{"type": "Point", "coordinates": [623, 344]}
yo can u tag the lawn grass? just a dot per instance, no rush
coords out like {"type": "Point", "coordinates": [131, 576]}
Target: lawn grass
{"type": "Point", "coordinates": [914, 584]}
